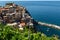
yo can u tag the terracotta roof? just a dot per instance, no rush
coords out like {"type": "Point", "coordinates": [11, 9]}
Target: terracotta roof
{"type": "Point", "coordinates": [22, 24]}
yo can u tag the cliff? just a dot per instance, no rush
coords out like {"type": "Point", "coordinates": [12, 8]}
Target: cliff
{"type": "Point", "coordinates": [15, 15]}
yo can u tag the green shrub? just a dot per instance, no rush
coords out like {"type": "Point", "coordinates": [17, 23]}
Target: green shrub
{"type": "Point", "coordinates": [10, 33]}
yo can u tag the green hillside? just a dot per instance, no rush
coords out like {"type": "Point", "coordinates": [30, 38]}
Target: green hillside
{"type": "Point", "coordinates": [10, 33]}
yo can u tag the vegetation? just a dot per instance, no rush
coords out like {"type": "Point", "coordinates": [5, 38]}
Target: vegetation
{"type": "Point", "coordinates": [10, 33]}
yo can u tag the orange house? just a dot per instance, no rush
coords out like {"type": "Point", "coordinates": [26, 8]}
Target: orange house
{"type": "Point", "coordinates": [22, 24]}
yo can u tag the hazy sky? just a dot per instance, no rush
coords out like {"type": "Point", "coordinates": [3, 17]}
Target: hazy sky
{"type": "Point", "coordinates": [30, 0]}
{"type": "Point", "coordinates": [41, 0]}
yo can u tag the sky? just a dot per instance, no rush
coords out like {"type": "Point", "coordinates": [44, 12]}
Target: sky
{"type": "Point", "coordinates": [30, 0]}
{"type": "Point", "coordinates": [40, 0]}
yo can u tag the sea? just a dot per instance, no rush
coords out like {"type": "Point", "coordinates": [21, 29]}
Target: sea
{"type": "Point", "coordinates": [44, 11]}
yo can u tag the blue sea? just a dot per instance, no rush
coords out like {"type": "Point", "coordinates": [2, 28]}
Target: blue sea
{"type": "Point", "coordinates": [44, 11]}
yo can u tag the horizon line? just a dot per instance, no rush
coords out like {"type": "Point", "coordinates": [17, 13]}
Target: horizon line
{"type": "Point", "coordinates": [29, 0]}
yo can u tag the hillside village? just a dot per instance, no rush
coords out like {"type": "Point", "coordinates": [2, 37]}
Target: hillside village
{"type": "Point", "coordinates": [14, 15]}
